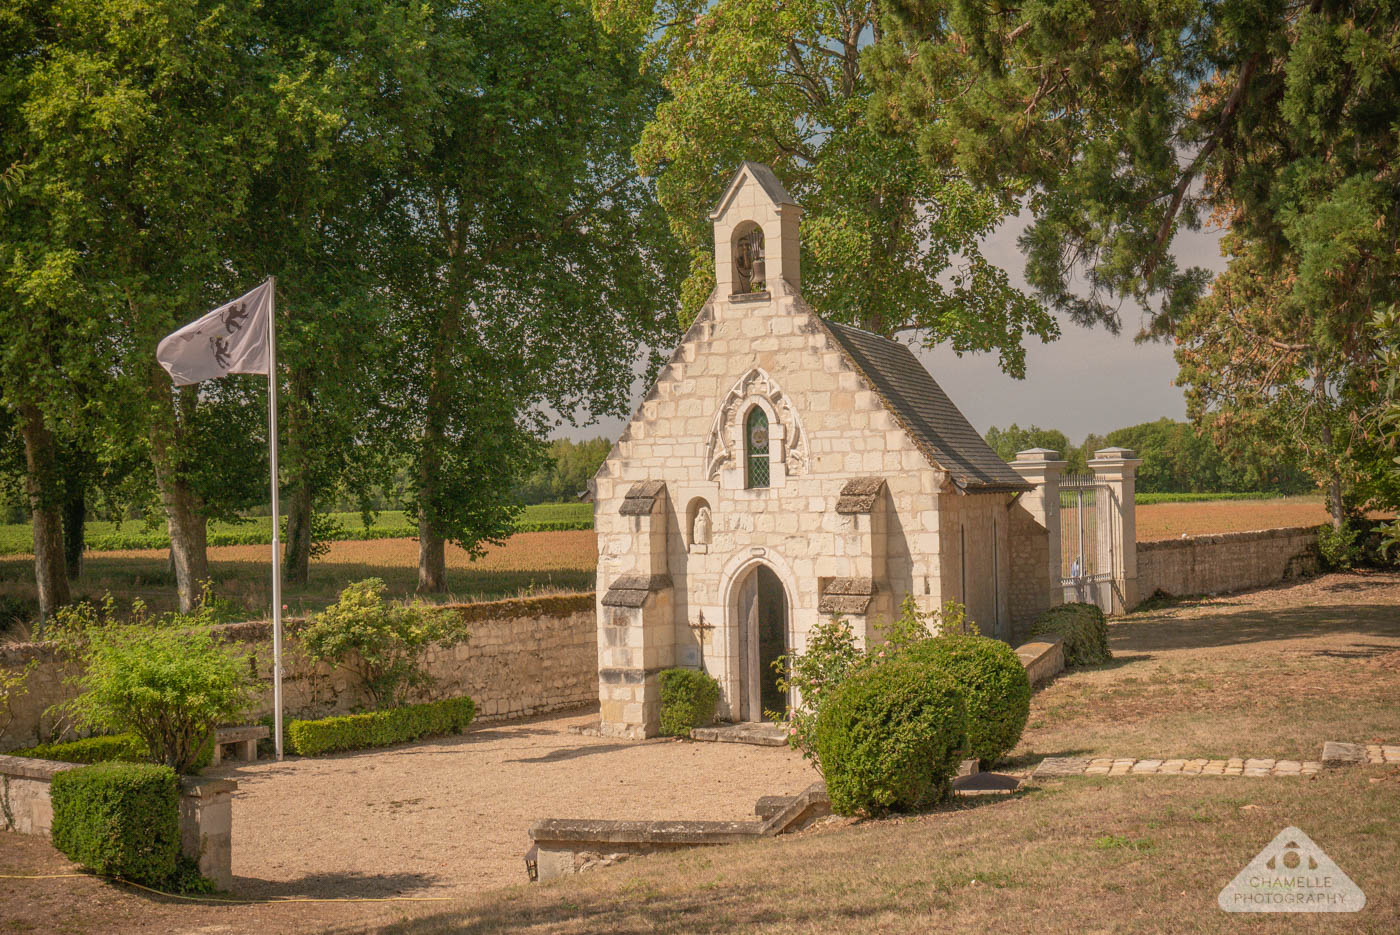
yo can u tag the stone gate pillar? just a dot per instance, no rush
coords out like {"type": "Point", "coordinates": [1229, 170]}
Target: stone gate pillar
{"type": "Point", "coordinates": [1116, 471]}
{"type": "Point", "coordinates": [1036, 537]}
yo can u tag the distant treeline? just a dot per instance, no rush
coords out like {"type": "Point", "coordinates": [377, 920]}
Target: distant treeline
{"type": "Point", "coordinates": [1175, 458]}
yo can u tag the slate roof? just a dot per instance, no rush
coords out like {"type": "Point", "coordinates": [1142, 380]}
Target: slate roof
{"type": "Point", "coordinates": [765, 178]}
{"type": "Point", "coordinates": [926, 412]}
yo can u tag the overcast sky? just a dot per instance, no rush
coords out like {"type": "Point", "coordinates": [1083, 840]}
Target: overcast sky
{"type": "Point", "coordinates": [1087, 381]}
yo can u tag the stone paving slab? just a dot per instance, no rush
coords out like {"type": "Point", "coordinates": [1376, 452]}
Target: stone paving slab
{"type": "Point", "coordinates": [1103, 766]}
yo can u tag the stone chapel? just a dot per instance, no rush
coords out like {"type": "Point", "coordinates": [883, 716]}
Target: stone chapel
{"type": "Point", "coordinates": [784, 469]}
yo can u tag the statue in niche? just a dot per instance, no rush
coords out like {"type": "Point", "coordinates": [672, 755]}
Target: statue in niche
{"type": "Point", "coordinates": [749, 268]}
{"type": "Point", "coordinates": [700, 531]}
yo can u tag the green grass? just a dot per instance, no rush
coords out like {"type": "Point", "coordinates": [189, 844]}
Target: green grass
{"type": "Point", "coordinates": [16, 538]}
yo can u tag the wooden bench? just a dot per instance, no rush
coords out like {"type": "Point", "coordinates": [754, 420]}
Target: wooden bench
{"type": "Point", "coordinates": [244, 740]}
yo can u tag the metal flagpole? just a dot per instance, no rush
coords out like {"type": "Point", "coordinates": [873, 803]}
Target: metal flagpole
{"type": "Point", "coordinates": [276, 517]}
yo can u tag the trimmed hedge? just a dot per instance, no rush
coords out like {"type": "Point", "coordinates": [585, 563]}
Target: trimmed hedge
{"type": "Point", "coordinates": [127, 748]}
{"type": "Point", "coordinates": [995, 689]}
{"type": "Point", "coordinates": [890, 737]}
{"type": "Point", "coordinates": [119, 819]}
{"type": "Point", "coordinates": [380, 728]}
{"type": "Point", "coordinates": [688, 699]}
{"type": "Point", "coordinates": [1084, 629]}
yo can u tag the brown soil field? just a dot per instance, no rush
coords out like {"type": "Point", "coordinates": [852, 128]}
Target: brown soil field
{"type": "Point", "coordinates": [1173, 520]}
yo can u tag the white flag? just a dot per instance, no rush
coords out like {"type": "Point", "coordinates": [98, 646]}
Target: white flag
{"type": "Point", "coordinates": [230, 339]}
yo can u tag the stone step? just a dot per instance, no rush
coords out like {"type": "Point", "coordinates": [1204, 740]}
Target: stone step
{"type": "Point", "coordinates": [759, 733]}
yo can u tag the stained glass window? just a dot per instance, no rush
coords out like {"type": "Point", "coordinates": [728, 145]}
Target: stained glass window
{"type": "Point", "coordinates": [756, 445]}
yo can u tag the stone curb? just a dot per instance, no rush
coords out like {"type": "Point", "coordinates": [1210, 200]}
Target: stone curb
{"type": "Point", "coordinates": [1334, 754]}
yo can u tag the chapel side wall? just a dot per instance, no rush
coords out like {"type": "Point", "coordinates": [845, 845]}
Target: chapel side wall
{"type": "Point", "coordinates": [976, 557]}
{"type": "Point", "coordinates": [844, 433]}
{"type": "Point", "coordinates": [1029, 587]}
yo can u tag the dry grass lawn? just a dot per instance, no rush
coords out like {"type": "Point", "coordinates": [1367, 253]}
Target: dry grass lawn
{"type": "Point", "coordinates": [1273, 672]}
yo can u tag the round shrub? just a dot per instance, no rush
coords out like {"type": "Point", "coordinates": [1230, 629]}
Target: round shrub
{"type": "Point", "coordinates": [890, 737]}
{"type": "Point", "coordinates": [688, 699]}
{"type": "Point", "coordinates": [994, 686]}
{"type": "Point", "coordinates": [119, 819]}
{"type": "Point", "coordinates": [1084, 629]}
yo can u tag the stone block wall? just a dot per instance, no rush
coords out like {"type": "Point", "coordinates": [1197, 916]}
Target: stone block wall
{"type": "Point", "coordinates": [1226, 562]}
{"type": "Point", "coordinates": [526, 656]}
{"type": "Point", "coordinates": [1030, 591]}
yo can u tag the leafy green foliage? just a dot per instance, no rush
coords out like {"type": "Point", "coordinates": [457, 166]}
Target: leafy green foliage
{"type": "Point", "coordinates": [1339, 548]}
{"type": "Point", "coordinates": [128, 748]}
{"type": "Point", "coordinates": [1084, 629]}
{"type": "Point", "coordinates": [1177, 458]}
{"type": "Point", "coordinates": [380, 728]}
{"type": "Point", "coordinates": [571, 465]}
{"type": "Point", "coordinates": [831, 655]}
{"type": "Point", "coordinates": [1287, 112]}
{"type": "Point", "coordinates": [993, 684]}
{"type": "Point", "coordinates": [688, 699]}
{"type": "Point", "coordinates": [886, 246]}
{"type": "Point", "coordinates": [169, 686]}
{"type": "Point", "coordinates": [890, 737]}
{"type": "Point", "coordinates": [380, 642]}
{"type": "Point", "coordinates": [119, 819]}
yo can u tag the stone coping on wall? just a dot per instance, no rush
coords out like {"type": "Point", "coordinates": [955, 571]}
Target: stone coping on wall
{"type": "Point", "coordinates": [1043, 658]}
{"type": "Point", "coordinates": [1221, 538]}
{"type": "Point", "coordinates": [25, 767]}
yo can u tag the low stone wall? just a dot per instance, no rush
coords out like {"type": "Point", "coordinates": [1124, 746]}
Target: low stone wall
{"type": "Point", "coordinates": [525, 656]}
{"type": "Point", "coordinates": [1226, 562]}
{"type": "Point", "coordinates": [206, 811]}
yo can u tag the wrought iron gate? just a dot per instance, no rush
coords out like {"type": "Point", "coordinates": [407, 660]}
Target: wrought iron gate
{"type": "Point", "coordinates": [1086, 551]}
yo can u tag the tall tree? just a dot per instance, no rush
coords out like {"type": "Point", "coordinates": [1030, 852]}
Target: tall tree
{"type": "Point", "coordinates": [886, 246]}
{"type": "Point", "coordinates": [536, 267]}
{"type": "Point", "coordinates": [1120, 124]}
{"type": "Point", "coordinates": [148, 120]}
{"type": "Point", "coordinates": [314, 219]}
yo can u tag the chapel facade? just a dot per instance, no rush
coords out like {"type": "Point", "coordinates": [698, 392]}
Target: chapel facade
{"type": "Point", "coordinates": [784, 469]}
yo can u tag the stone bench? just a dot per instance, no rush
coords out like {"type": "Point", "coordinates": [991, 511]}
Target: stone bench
{"type": "Point", "coordinates": [244, 740]}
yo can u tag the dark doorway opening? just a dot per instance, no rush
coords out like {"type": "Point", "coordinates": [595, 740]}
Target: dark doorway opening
{"type": "Point", "coordinates": [763, 618]}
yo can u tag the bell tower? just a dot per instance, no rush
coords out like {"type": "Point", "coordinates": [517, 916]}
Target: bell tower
{"type": "Point", "coordinates": [756, 234]}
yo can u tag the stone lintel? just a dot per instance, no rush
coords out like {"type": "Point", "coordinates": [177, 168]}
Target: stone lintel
{"type": "Point", "coordinates": [860, 495]}
{"type": "Point", "coordinates": [633, 590]}
{"type": "Point", "coordinates": [641, 498]}
{"type": "Point", "coordinates": [847, 596]}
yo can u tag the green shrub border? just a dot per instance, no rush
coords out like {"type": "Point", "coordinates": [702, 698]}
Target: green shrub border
{"type": "Point", "coordinates": [1085, 632]}
{"type": "Point", "coordinates": [688, 699]}
{"type": "Point", "coordinates": [380, 728]}
{"type": "Point", "coordinates": [105, 748]}
{"type": "Point", "coordinates": [119, 819]}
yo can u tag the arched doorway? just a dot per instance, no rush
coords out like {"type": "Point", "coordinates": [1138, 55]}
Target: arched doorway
{"type": "Point", "coordinates": [763, 637]}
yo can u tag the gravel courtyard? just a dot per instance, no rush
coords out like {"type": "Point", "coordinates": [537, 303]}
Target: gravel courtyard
{"type": "Point", "coordinates": [450, 816]}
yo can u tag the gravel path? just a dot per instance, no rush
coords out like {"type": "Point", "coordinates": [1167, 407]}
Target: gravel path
{"type": "Point", "coordinates": [450, 816]}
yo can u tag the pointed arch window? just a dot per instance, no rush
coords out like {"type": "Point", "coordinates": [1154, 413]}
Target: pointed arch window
{"type": "Point", "coordinates": [756, 448]}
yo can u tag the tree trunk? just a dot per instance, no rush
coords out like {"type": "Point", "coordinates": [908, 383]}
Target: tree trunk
{"type": "Point", "coordinates": [432, 559]}
{"type": "Point", "coordinates": [296, 560]}
{"type": "Point", "coordinates": [432, 548]}
{"type": "Point", "coordinates": [297, 466]}
{"type": "Point", "coordinates": [183, 515]}
{"type": "Point", "coordinates": [40, 481]}
{"type": "Point", "coordinates": [74, 519]}
{"type": "Point", "coordinates": [1334, 504]}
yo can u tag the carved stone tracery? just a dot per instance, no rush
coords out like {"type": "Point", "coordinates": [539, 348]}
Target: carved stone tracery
{"type": "Point", "coordinates": [721, 451]}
